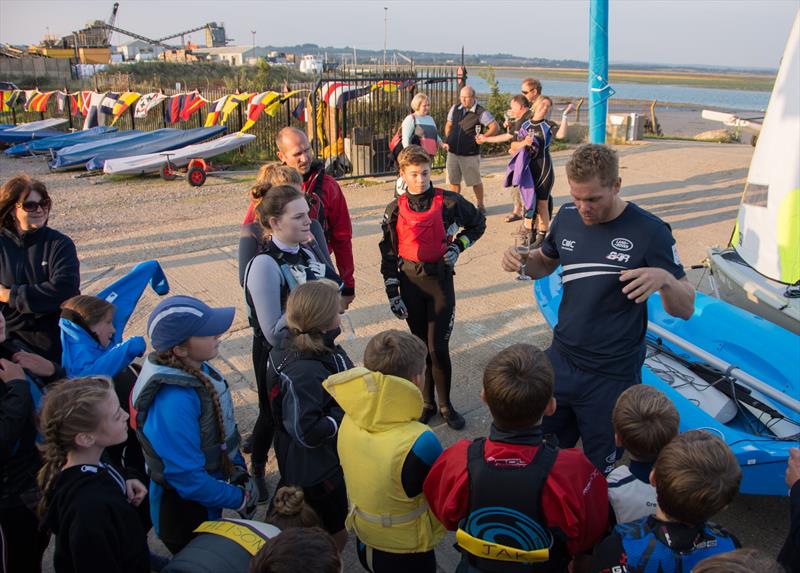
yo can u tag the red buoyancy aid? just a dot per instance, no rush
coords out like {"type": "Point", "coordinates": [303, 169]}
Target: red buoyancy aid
{"type": "Point", "coordinates": [421, 237]}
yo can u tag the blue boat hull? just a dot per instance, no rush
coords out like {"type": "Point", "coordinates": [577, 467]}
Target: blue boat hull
{"type": "Point", "coordinates": [14, 137]}
{"type": "Point", "coordinates": [751, 343]}
{"type": "Point", "coordinates": [58, 142]}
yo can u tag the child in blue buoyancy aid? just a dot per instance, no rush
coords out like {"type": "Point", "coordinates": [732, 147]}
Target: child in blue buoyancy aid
{"type": "Point", "coordinates": [695, 476]}
{"type": "Point", "coordinates": [184, 419]}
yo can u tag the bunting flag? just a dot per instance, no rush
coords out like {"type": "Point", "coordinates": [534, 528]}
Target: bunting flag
{"type": "Point", "coordinates": [73, 104]}
{"type": "Point", "coordinates": [108, 102]}
{"type": "Point", "coordinates": [337, 94]}
{"type": "Point", "coordinates": [29, 95]}
{"type": "Point", "coordinates": [61, 101]}
{"type": "Point", "coordinates": [93, 115]}
{"type": "Point", "coordinates": [300, 111]}
{"type": "Point", "coordinates": [172, 111]}
{"type": "Point", "coordinates": [84, 102]}
{"type": "Point", "coordinates": [214, 116]}
{"type": "Point", "coordinates": [124, 101]}
{"type": "Point", "coordinates": [38, 102]}
{"type": "Point", "coordinates": [223, 108]}
{"type": "Point", "coordinates": [6, 102]}
{"type": "Point", "coordinates": [146, 103]}
{"type": "Point", "coordinates": [191, 104]}
{"type": "Point", "coordinates": [265, 102]}
{"type": "Point", "coordinates": [389, 86]}
{"type": "Point", "coordinates": [12, 98]}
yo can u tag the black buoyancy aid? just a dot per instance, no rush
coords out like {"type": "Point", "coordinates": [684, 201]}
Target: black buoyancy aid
{"type": "Point", "coordinates": [288, 281]}
{"type": "Point", "coordinates": [421, 236]}
{"type": "Point", "coordinates": [461, 139]}
{"type": "Point", "coordinates": [504, 530]}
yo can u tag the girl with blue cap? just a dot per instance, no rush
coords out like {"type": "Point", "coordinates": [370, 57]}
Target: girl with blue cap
{"type": "Point", "coordinates": [183, 415]}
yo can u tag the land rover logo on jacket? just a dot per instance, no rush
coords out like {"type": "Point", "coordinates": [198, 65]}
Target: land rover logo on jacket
{"type": "Point", "coordinates": [622, 244]}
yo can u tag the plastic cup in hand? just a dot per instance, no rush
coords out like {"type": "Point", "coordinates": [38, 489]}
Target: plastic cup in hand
{"type": "Point", "coordinates": [522, 245]}
{"type": "Point", "coordinates": [348, 330]}
{"type": "Point", "coordinates": [478, 129]}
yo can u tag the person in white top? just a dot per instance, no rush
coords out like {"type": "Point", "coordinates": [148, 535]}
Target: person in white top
{"type": "Point", "coordinates": [645, 421]}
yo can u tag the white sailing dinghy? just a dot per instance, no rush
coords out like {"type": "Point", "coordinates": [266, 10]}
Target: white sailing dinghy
{"type": "Point", "coordinates": [153, 162]}
{"type": "Point", "coordinates": [760, 271]}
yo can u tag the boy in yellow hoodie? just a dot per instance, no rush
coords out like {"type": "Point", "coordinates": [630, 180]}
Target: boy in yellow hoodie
{"type": "Point", "coordinates": [386, 454]}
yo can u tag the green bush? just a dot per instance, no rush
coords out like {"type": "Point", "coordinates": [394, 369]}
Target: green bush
{"type": "Point", "coordinates": [497, 104]}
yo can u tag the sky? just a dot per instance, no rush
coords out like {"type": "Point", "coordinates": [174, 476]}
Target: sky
{"type": "Point", "coordinates": [731, 33]}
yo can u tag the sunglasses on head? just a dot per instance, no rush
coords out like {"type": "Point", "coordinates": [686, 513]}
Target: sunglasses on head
{"type": "Point", "coordinates": [526, 92]}
{"type": "Point", "coordinates": [31, 206]}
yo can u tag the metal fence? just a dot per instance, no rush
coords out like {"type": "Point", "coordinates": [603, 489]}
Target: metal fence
{"type": "Point", "coordinates": [359, 126]}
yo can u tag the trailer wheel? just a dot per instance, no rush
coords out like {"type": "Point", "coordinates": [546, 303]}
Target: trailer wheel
{"type": "Point", "coordinates": [196, 176]}
{"type": "Point", "coordinates": [167, 172]}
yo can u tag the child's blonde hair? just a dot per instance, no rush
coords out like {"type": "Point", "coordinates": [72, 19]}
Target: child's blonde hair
{"type": "Point", "coordinates": [274, 174]}
{"type": "Point", "coordinates": [310, 310]}
{"type": "Point", "coordinates": [69, 408]}
{"type": "Point", "coordinates": [396, 353]}
{"type": "Point", "coordinates": [289, 509]}
{"type": "Point", "coordinates": [413, 155]}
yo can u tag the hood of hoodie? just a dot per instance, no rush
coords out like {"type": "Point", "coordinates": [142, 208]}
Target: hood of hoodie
{"type": "Point", "coordinates": [74, 340]}
{"type": "Point", "coordinates": [374, 401]}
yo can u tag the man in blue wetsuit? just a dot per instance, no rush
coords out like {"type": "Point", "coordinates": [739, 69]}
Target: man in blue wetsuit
{"type": "Point", "coordinates": [613, 255]}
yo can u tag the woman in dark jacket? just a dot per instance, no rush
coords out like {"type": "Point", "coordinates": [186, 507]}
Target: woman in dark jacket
{"type": "Point", "coordinates": [21, 376]}
{"type": "Point", "coordinates": [306, 417]}
{"type": "Point", "coordinates": [38, 267]}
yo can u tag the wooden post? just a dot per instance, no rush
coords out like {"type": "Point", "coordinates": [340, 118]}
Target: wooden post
{"type": "Point", "coordinates": [653, 119]}
{"type": "Point", "coordinates": [578, 110]}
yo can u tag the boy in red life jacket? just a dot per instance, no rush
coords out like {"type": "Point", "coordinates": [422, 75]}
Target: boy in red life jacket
{"type": "Point", "coordinates": [518, 503]}
{"type": "Point", "coordinates": [424, 232]}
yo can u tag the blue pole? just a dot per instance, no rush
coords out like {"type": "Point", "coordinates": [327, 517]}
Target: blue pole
{"type": "Point", "coordinates": [599, 90]}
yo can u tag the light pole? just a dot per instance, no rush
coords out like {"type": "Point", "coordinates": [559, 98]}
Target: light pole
{"type": "Point", "coordinates": [254, 45]}
{"type": "Point", "coordinates": [385, 33]}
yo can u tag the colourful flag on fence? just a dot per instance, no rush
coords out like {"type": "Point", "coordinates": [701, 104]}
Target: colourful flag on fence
{"type": "Point", "coordinates": [93, 116]}
{"type": "Point", "coordinates": [39, 102]}
{"type": "Point", "coordinates": [108, 102]}
{"type": "Point", "coordinates": [124, 101]}
{"type": "Point", "coordinates": [146, 103]}
{"type": "Point", "coordinates": [5, 100]}
{"type": "Point", "coordinates": [191, 103]}
{"type": "Point", "coordinates": [61, 101]}
{"type": "Point", "coordinates": [29, 95]}
{"type": "Point", "coordinates": [265, 102]}
{"type": "Point", "coordinates": [84, 102]}
{"type": "Point", "coordinates": [215, 114]}
{"type": "Point", "coordinates": [300, 111]}
{"type": "Point", "coordinates": [13, 98]}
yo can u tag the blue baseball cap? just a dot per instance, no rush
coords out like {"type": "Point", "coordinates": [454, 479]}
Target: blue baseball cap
{"type": "Point", "coordinates": [177, 318]}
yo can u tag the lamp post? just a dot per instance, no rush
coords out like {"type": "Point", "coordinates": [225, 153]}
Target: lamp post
{"type": "Point", "coordinates": [385, 33]}
{"type": "Point", "coordinates": [254, 45]}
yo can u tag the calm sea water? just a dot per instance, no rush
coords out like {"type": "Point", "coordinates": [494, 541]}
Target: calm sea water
{"type": "Point", "coordinates": [702, 97]}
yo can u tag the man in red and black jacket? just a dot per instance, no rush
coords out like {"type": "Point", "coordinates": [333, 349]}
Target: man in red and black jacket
{"type": "Point", "coordinates": [328, 205]}
{"type": "Point", "coordinates": [518, 502]}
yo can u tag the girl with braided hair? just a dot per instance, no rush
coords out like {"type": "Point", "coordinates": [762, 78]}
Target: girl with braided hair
{"type": "Point", "coordinates": [307, 418]}
{"type": "Point", "coordinates": [183, 416]}
{"type": "Point", "coordinates": [88, 504]}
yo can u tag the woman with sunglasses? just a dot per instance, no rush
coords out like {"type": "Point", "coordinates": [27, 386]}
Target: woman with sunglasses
{"type": "Point", "coordinates": [39, 268]}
